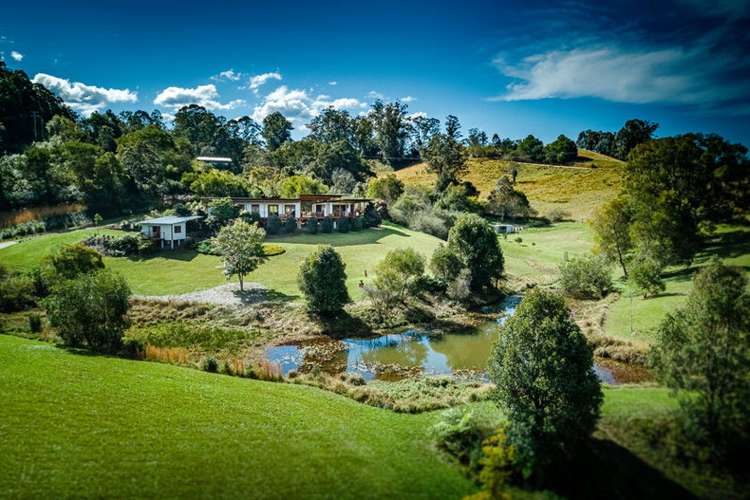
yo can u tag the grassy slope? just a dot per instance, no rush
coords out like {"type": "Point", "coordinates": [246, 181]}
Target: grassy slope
{"type": "Point", "coordinates": [731, 244]}
{"type": "Point", "coordinates": [576, 191]}
{"type": "Point", "coordinates": [172, 432]}
{"type": "Point", "coordinates": [182, 271]}
{"type": "Point", "coordinates": [78, 425]}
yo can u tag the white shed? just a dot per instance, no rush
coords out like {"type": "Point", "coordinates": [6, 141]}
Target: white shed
{"type": "Point", "coordinates": [171, 229]}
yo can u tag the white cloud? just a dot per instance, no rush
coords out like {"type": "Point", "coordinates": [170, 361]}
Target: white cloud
{"type": "Point", "coordinates": [408, 99]}
{"type": "Point", "coordinates": [202, 95]}
{"type": "Point", "coordinates": [298, 106]}
{"type": "Point", "coordinates": [229, 74]}
{"type": "Point", "coordinates": [677, 75]}
{"type": "Point", "coordinates": [375, 95]}
{"type": "Point", "coordinates": [17, 56]}
{"type": "Point", "coordinates": [84, 98]}
{"type": "Point", "coordinates": [258, 80]}
{"type": "Point", "coordinates": [333, 82]}
{"type": "Point", "coordinates": [414, 116]}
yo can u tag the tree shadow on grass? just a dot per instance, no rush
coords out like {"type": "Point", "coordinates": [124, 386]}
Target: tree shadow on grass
{"type": "Point", "coordinates": [366, 237]}
{"type": "Point", "coordinates": [608, 470]}
{"type": "Point", "coordinates": [182, 254]}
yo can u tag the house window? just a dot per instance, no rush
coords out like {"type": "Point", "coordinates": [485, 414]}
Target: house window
{"type": "Point", "coordinates": [273, 209]}
{"type": "Point", "coordinates": [177, 229]}
{"type": "Point", "coordinates": [255, 208]}
{"type": "Point", "coordinates": [290, 210]}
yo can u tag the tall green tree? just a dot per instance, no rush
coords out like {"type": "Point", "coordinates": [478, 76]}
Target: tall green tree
{"type": "Point", "coordinates": [475, 242]}
{"type": "Point", "coordinates": [543, 369]}
{"type": "Point", "coordinates": [276, 130]}
{"type": "Point", "coordinates": [391, 129]}
{"type": "Point", "coordinates": [322, 280]}
{"type": "Point", "coordinates": [446, 158]}
{"type": "Point", "coordinates": [633, 133]}
{"type": "Point", "coordinates": [611, 225]}
{"type": "Point", "coordinates": [703, 352]}
{"type": "Point", "coordinates": [561, 151]}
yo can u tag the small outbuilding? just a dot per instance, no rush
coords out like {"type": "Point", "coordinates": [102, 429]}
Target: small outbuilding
{"type": "Point", "coordinates": [505, 228]}
{"type": "Point", "coordinates": [170, 229]}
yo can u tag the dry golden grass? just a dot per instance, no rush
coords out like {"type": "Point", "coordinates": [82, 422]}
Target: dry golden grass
{"type": "Point", "coordinates": [37, 213]}
{"type": "Point", "coordinates": [171, 355]}
{"type": "Point", "coordinates": [577, 191]}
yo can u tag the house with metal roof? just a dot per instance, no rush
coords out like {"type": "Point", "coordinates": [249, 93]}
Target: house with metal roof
{"type": "Point", "coordinates": [169, 231]}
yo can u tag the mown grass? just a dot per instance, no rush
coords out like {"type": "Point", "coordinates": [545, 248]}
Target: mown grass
{"type": "Point", "coordinates": [75, 425]}
{"type": "Point", "coordinates": [180, 271]}
{"type": "Point", "coordinates": [575, 191]}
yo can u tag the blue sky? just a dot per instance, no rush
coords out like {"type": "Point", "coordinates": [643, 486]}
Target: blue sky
{"type": "Point", "coordinates": [508, 67]}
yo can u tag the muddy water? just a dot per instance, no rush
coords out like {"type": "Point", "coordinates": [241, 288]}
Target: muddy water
{"type": "Point", "coordinates": [414, 352]}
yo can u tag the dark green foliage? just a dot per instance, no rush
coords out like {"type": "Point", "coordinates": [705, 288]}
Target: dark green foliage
{"type": "Point", "coordinates": [273, 224]}
{"type": "Point", "coordinates": [633, 133]}
{"type": "Point", "coordinates": [210, 365]}
{"type": "Point", "coordinates": [561, 151]}
{"type": "Point", "coordinates": [543, 369]}
{"type": "Point", "coordinates": [446, 158]}
{"type": "Point", "coordinates": [703, 351]}
{"type": "Point", "coordinates": [445, 264]}
{"type": "Point", "coordinates": [645, 271]}
{"type": "Point", "coordinates": [221, 211]}
{"type": "Point", "coordinates": [598, 142]}
{"type": "Point", "coordinates": [474, 241]}
{"type": "Point", "coordinates": [16, 291]}
{"type": "Point", "coordinates": [459, 198]}
{"type": "Point", "coordinates": [73, 260]}
{"type": "Point", "coordinates": [530, 149]}
{"type": "Point", "coordinates": [322, 280]}
{"type": "Point", "coordinates": [276, 130]}
{"type": "Point", "coordinates": [90, 310]}
{"type": "Point", "coordinates": [387, 188]}
{"type": "Point", "coordinates": [250, 217]}
{"type": "Point", "coordinates": [397, 275]}
{"type": "Point", "coordinates": [343, 225]}
{"type": "Point", "coordinates": [290, 225]}
{"type": "Point", "coordinates": [311, 225]}
{"type": "Point", "coordinates": [372, 217]}
{"type": "Point", "coordinates": [358, 223]}
{"type": "Point", "coordinates": [35, 322]}
{"type": "Point", "coordinates": [130, 244]}
{"type": "Point", "coordinates": [587, 277]}
{"type": "Point", "coordinates": [326, 225]}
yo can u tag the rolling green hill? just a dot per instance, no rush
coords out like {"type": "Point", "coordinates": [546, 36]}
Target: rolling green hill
{"type": "Point", "coordinates": [578, 189]}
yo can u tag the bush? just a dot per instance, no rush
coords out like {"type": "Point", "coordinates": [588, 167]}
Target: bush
{"type": "Point", "coordinates": [130, 244]}
{"type": "Point", "coordinates": [543, 369]}
{"type": "Point", "coordinates": [16, 292]}
{"type": "Point", "coordinates": [322, 280]}
{"type": "Point", "coordinates": [372, 216]}
{"type": "Point", "coordinates": [35, 322]}
{"type": "Point", "coordinates": [358, 223]}
{"type": "Point", "coordinates": [396, 275]}
{"type": "Point", "coordinates": [474, 241]}
{"type": "Point", "coordinates": [221, 211]}
{"type": "Point", "coordinates": [90, 310]}
{"type": "Point", "coordinates": [73, 260]}
{"type": "Point", "coordinates": [445, 264]}
{"type": "Point", "coordinates": [208, 247]}
{"type": "Point", "coordinates": [326, 225]}
{"type": "Point", "coordinates": [290, 225]}
{"type": "Point", "coordinates": [343, 225]}
{"type": "Point", "coordinates": [98, 219]}
{"type": "Point", "coordinates": [459, 289]}
{"type": "Point", "coordinates": [210, 365]}
{"type": "Point", "coordinates": [311, 225]}
{"type": "Point", "coordinates": [270, 250]}
{"type": "Point", "coordinates": [586, 277]}
{"type": "Point", "coordinates": [273, 224]}
{"type": "Point", "coordinates": [645, 273]}
{"type": "Point", "coordinates": [461, 431]}
{"type": "Point", "coordinates": [250, 217]}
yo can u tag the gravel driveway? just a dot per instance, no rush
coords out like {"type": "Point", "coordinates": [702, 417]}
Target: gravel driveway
{"type": "Point", "coordinates": [224, 295]}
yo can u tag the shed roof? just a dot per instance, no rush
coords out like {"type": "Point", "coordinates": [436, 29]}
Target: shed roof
{"type": "Point", "coordinates": [169, 219]}
{"type": "Point", "coordinates": [217, 159]}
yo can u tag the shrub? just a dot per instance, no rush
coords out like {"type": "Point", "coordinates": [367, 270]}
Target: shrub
{"type": "Point", "coordinates": [16, 292]}
{"type": "Point", "coordinates": [208, 247]}
{"type": "Point", "coordinates": [474, 241]}
{"type": "Point", "coordinates": [498, 464]}
{"type": "Point", "coordinates": [343, 225]}
{"type": "Point", "coordinates": [645, 272]}
{"type": "Point", "coordinates": [358, 223]}
{"type": "Point", "coordinates": [586, 277]}
{"type": "Point", "coordinates": [387, 188]}
{"type": "Point", "coordinates": [322, 280]}
{"type": "Point", "coordinates": [221, 211]}
{"type": "Point", "coordinates": [461, 431]}
{"type": "Point", "coordinates": [397, 274]}
{"type": "Point", "coordinates": [273, 224]}
{"type": "Point", "coordinates": [130, 244]}
{"type": "Point", "coordinates": [98, 219]}
{"type": "Point", "coordinates": [445, 264]}
{"type": "Point", "coordinates": [543, 369]}
{"type": "Point", "coordinates": [250, 217]}
{"type": "Point", "coordinates": [35, 322]}
{"type": "Point", "coordinates": [270, 250]}
{"type": "Point", "coordinates": [459, 289]}
{"type": "Point", "coordinates": [210, 365]}
{"type": "Point", "coordinates": [326, 225]}
{"type": "Point", "coordinates": [311, 225]}
{"type": "Point", "coordinates": [90, 310]}
{"type": "Point", "coordinates": [290, 225]}
{"type": "Point", "coordinates": [372, 217]}
{"type": "Point", "coordinates": [73, 260]}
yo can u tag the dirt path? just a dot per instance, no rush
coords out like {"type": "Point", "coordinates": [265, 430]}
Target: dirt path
{"type": "Point", "coordinates": [6, 244]}
{"type": "Point", "coordinates": [223, 295]}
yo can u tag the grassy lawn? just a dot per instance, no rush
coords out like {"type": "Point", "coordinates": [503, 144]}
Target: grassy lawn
{"type": "Point", "coordinates": [181, 271]}
{"type": "Point", "coordinates": [730, 243]}
{"type": "Point", "coordinates": [88, 426]}
{"type": "Point", "coordinates": [576, 191]}
{"type": "Point", "coordinates": [538, 256]}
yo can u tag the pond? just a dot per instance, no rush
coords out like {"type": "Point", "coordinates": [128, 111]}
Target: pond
{"type": "Point", "coordinates": [413, 352]}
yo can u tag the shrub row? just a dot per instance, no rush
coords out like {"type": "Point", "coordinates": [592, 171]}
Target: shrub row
{"type": "Point", "coordinates": [59, 221]}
